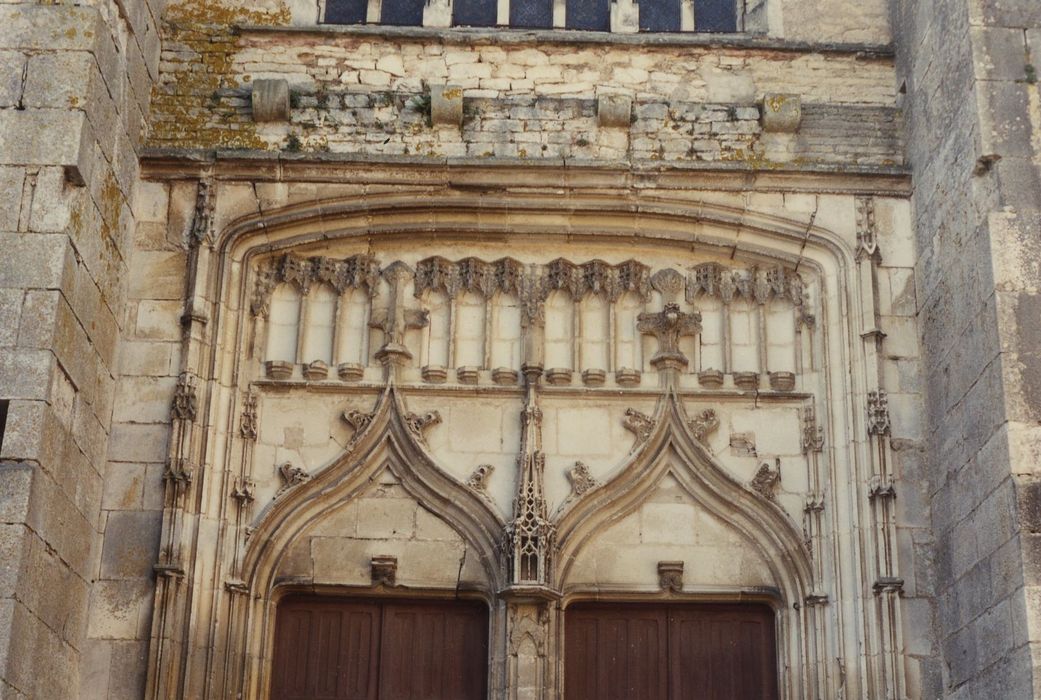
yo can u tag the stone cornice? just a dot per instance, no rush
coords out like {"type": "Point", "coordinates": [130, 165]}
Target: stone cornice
{"type": "Point", "coordinates": [503, 36]}
{"type": "Point", "coordinates": [487, 173]}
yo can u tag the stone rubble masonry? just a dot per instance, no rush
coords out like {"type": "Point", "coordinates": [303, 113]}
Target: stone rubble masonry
{"type": "Point", "coordinates": [353, 94]}
{"type": "Point", "coordinates": [75, 84]}
{"type": "Point", "coordinates": [974, 137]}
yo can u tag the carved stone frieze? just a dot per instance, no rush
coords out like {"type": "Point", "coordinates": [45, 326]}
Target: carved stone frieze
{"type": "Point", "coordinates": [757, 284]}
{"type": "Point", "coordinates": [767, 479]}
{"type": "Point", "coordinates": [354, 272]}
{"type": "Point", "coordinates": [670, 576]}
{"type": "Point", "coordinates": [878, 412]}
{"type": "Point", "coordinates": [291, 477]}
{"type": "Point", "coordinates": [639, 424]}
{"type": "Point", "coordinates": [704, 424]}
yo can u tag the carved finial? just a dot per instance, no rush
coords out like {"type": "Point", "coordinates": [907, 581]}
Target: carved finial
{"type": "Point", "coordinates": [248, 426]}
{"type": "Point", "coordinates": [640, 424]}
{"type": "Point", "coordinates": [670, 576]}
{"type": "Point", "coordinates": [812, 433]}
{"type": "Point", "coordinates": [867, 229]}
{"type": "Point", "coordinates": [202, 223]}
{"type": "Point", "coordinates": [395, 320]}
{"type": "Point", "coordinates": [878, 412]}
{"type": "Point", "coordinates": [581, 480]}
{"type": "Point", "coordinates": [384, 570]}
{"type": "Point", "coordinates": [704, 424]}
{"type": "Point", "coordinates": [478, 481]}
{"type": "Point", "coordinates": [668, 326]}
{"type": "Point", "coordinates": [185, 402]}
{"type": "Point", "coordinates": [291, 477]}
{"type": "Point", "coordinates": [767, 479]}
{"type": "Point", "coordinates": [358, 420]}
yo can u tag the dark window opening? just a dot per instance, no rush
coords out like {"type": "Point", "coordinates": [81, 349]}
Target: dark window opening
{"type": "Point", "coordinates": [536, 14]}
{"type": "Point", "coordinates": [715, 16]}
{"type": "Point", "coordinates": [660, 16]}
{"type": "Point", "coordinates": [346, 11]}
{"type": "Point", "coordinates": [4, 404]}
{"type": "Point", "coordinates": [404, 13]}
{"type": "Point", "coordinates": [475, 13]}
{"type": "Point", "coordinates": [589, 15]}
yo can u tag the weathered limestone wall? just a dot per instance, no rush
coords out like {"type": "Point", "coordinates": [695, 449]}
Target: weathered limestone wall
{"type": "Point", "coordinates": [359, 92]}
{"type": "Point", "coordinates": [974, 127]}
{"type": "Point", "coordinates": [74, 95]}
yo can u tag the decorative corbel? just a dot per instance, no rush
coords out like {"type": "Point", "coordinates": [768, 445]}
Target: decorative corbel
{"type": "Point", "coordinates": [670, 576]}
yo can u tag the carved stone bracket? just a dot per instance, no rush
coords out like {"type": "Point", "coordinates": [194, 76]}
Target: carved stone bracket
{"type": "Point", "coordinates": [704, 424]}
{"type": "Point", "coordinates": [384, 570]}
{"type": "Point", "coordinates": [639, 424]}
{"type": "Point", "coordinates": [179, 472]}
{"type": "Point", "coordinates": [881, 487]}
{"type": "Point", "coordinates": [813, 600]}
{"type": "Point", "coordinates": [670, 576]}
{"type": "Point", "coordinates": [291, 477]}
{"type": "Point", "coordinates": [888, 584]}
{"type": "Point", "coordinates": [244, 492]}
{"type": "Point", "coordinates": [814, 503]}
{"type": "Point", "coordinates": [878, 413]}
{"type": "Point", "coordinates": [767, 479]}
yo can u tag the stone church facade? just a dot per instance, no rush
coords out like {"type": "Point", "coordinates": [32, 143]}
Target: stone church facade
{"type": "Point", "coordinates": [703, 329]}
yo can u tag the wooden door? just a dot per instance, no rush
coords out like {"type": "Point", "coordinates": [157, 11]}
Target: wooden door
{"type": "Point", "coordinates": [669, 652]}
{"type": "Point", "coordinates": [334, 649]}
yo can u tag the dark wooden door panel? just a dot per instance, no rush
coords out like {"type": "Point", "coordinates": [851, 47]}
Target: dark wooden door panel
{"type": "Point", "coordinates": [617, 653]}
{"type": "Point", "coordinates": [326, 650]}
{"type": "Point", "coordinates": [669, 652]}
{"type": "Point", "coordinates": [434, 652]}
{"type": "Point", "coordinates": [330, 649]}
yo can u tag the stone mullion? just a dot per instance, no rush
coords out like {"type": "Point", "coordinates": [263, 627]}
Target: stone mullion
{"type": "Point", "coordinates": [342, 307]}
{"type": "Point", "coordinates": [728, 360]}
{"type": "Point", "coordinates": [490, 309]}
{"type": "Point", "coordinates": [301, 330]}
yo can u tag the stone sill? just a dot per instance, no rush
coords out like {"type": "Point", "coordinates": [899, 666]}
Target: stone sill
{"type": "Point", "coordinates": [468, 36]}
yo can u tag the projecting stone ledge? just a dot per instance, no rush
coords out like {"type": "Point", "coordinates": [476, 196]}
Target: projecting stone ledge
{"type": "Point", "coordinates": [270, 100]}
